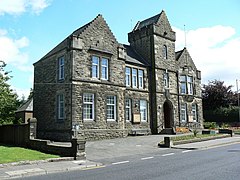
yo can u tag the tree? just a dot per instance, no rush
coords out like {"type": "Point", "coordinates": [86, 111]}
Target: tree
{"type": "Point", "coordinates": [8, 99]}
{"type": "Point", "coordinates": [216, 95]}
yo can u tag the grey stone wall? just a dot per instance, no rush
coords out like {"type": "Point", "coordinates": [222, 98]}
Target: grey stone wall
{"type": "Point", "coordinates": [46, 88]}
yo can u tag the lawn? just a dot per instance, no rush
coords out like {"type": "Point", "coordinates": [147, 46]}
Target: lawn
{"type": "Point", "coordinates": [189, 137]}
{"type": "Point", "coordinates": [14, 154]}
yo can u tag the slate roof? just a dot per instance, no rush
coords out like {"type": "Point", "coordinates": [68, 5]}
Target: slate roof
{"type": "Point", "coordinates": [27, 106]}
{"type": "Point", "coordinates": [133, 56]}
{"type": "Point", "coordinates": [146, 22]}
{"type": "Point", "coordinates": [178, 54]}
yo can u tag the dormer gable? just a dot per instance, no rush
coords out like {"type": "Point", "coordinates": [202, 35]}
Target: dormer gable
{"type": "Point", "coordinates": [186, 64]}
{"type": "Point", "coordinates": [184, 59]}
{"type": "Point", "coordinates": [100, 25]}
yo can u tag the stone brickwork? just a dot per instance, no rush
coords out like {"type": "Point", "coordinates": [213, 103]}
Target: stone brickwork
{"type": "Point", "coordinates": [145, 53]}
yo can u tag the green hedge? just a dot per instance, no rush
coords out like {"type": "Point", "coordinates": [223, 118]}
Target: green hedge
{"type": "Point", "coordinates": [220, 115]}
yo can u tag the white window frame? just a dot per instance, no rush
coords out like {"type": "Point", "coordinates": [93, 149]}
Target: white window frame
{"type": "Point", "coordinates": [194, 112]}
{"type": "Point", "coordinates": [104, 66]}
{"type": "Point", "coordinates": [143, 110]}
{"type": "Point", "coordinates": [114, 106]}
{"type": "Point", "coordinates": [128, 76]}
{"type": "Point", "coordinates": [60, 107]}
{"type": "Point", "coordinates": [183, 86]}
{"type": "Point", "coordinates": [128, 109]}
{"type": "Point", "coordinates": [190, 85]}
{"type": "Point", "coordinates": [183, 114]}
{"type": "Point", "coordinates": [87, 103]}
{"type": "Point", "coordinates": [61, 68]}
{"type": "Point", "coordinates": [140, 78]}
{"type": "Point", "coordinates": [134, 78]}
{"type": "Point", "coordinates": [95, 65]}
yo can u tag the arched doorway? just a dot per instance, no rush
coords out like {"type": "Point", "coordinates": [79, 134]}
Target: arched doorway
{"type": "Point", "coordinates": [168, 114]}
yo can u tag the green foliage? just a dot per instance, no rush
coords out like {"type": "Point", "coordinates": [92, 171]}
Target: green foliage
{"type": "Point", "coordinates": [189, 137]}
{"type": "Point", "coordinates": [216, 94]}
{"type": "Point", "coordinates": [8, 99]}
{"type": "Point", "coordinates": [14, 154]}
{"type": "Point", "coordinates": [195, 132]}
{"type": "Point", "coordinates": [210, 125]}
{"type": "Point", "coordinates": [222, 114]}
{"type": "Point", "coordinates": [225, 125]}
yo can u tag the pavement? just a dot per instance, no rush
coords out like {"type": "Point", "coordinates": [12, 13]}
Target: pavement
{"type": "Point", "coordinates": [98, 151]}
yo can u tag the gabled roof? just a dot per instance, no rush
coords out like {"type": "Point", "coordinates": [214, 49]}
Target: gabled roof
{"type": "Point", "coordinates": [78, 32]}
{"type": "Point", "coordinates": [159, 19]}
{"type": "Point", "coordinates": [184, 58]}
{"type": "Point", "coordinates": [133, 56]}
{"type": "Point", "coordinates": [178, 54]}
{"type": "Point", "coordinates": [95, 22]}
{"type": "Point", "coordinates": [146, 22]}
{"type": "Point", "coordinates": [27, 106]}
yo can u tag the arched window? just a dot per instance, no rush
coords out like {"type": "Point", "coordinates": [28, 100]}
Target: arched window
{"type": "Point", "coordinates": [164, 51]}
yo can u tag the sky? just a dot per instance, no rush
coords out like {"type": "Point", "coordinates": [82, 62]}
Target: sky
{"type": "Point", "coordinates": [31, 28]}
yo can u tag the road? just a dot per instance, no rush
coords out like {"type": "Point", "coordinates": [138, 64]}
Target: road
{"type": "Point", "coordinates": [171, 164]}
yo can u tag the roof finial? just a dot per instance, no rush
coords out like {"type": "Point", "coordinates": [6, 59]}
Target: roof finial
{"type": "Point", "coordinates": [185, 36]}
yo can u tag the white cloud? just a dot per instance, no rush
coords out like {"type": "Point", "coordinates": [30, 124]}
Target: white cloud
{"type": "Point", "coordinates": [21, 92]}
{"type": "Point", "coordinates": [17, 7]}
{"type": "Point", "coordinates": [38, 5]}
{"type": "Point", "coordinates": [214, 50]}
{"type": "Point", "coordinates": [11, 51]}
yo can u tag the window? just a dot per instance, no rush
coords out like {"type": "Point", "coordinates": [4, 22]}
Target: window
{"type": "Point", "coordinates": [140, 79]}
{"type": "Point", "coordinates": [143, 110]}
{"type": "Point", "coordinates": [183, 115]}
{"type": "Point", "coordinates": [166, 80]}
{"type": "Point", "coordinates": [128, 106]}
{"type": "Point", "coordinates": [60, 106]}
{"type": "Point", "coordinates": [100, 67]}
{"type": "Point", "coordinates": [183, 86]}
{"type": "Point", "coordinates": [128, 76]}
{"type": "Point", "coordinates": [164, 51]}
{"type": "Point", "coordinates": [88, 106]}
{"type": "Point", "coordinates": [134, 78]}
{"type": "Point", "coordinates": [111, 108]}
{"type": "Point", "coordinates": [104, 69]}
{"type": "Point", "coordinates": [95, 67]}
{"type": "Point", "coordinates": [61, 68]}
{"type": "Point", "coordinates": [186, 84]}
{"type": "Point", "coordinates": [190, 84]}
{"type": "Point", "coordinates": [194, 112]}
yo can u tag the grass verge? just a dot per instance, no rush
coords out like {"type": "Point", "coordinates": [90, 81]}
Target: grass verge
{"type": "Point", "coordinates": [190, 137]}
{"type": "Point", "coordinates": [15, 154]}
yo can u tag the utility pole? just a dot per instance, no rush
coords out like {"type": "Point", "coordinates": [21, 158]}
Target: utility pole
{"type": "Point", "coordinates": [238, 100]}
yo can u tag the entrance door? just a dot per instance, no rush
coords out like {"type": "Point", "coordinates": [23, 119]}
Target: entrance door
{"type": "Point", "coordinates": [168, 114]}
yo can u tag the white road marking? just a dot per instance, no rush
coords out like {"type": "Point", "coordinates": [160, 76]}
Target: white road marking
{"type": "Point", "coordinates": [138, 145]}
{"type": "Point", "coordinates": [168, 154]}
{"type": "Point", "coordinates": [145, 158]}
{"type": "Point", "coordinates": [79, 161]}
{"type": "Point", "coordinates": [186, 151]}
{"type": "Point", "coordinates": [121, 162]}
{"type": "Point", "coordinates": [24, 171]}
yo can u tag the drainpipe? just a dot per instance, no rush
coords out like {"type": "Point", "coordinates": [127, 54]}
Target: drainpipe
{"type": "Point", "coordinates": [178, 98]}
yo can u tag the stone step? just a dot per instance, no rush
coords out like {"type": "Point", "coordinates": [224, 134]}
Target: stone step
{"type": "Point", "coordinates": [168, 131]}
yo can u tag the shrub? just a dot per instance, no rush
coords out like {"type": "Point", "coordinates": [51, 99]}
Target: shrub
{"type": "Point", "coordinates": [210, 125]}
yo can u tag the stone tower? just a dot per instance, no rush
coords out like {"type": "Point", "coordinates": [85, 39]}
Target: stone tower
{"type": "Point", "coordinates": [154, 39]}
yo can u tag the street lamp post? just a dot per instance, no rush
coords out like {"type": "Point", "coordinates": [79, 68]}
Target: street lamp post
{"type": "Point", "coordinates": [238, 100]}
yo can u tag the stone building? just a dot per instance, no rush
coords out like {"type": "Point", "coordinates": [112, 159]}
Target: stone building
{"type": "Point", "coordinates": [25, 111]}
{"type": "Point", "coordinates": [111, 89]}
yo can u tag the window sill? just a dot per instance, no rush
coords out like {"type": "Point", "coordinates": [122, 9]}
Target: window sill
{"type": "Point", "coordinates": [88, 121]}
